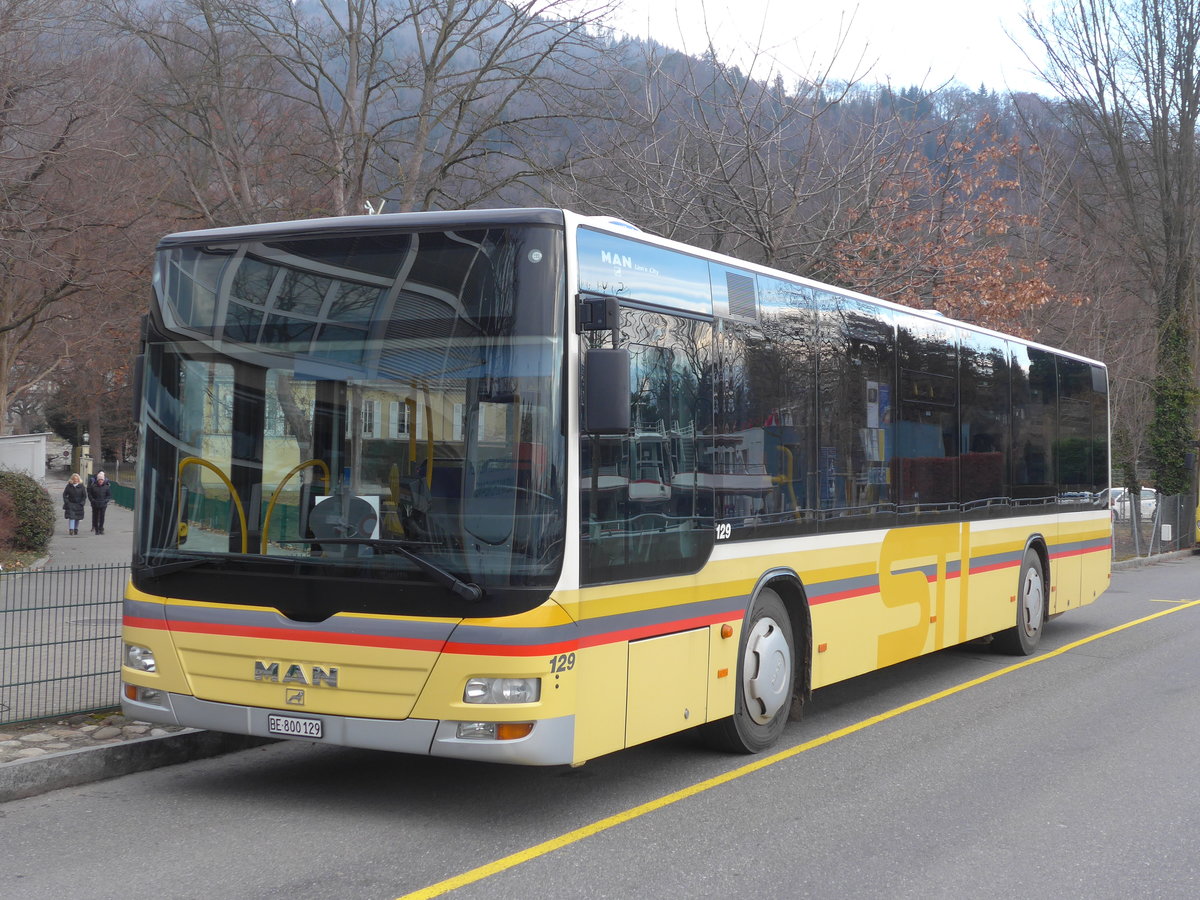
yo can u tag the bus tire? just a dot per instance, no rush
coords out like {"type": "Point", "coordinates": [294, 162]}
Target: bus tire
{"type": "Point", "coordinates": [765, 680]}
{"type": "Point", "coordinates": [1022, 639]}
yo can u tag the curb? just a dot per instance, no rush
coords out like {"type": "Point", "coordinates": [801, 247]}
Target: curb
{"type": "Point", "coordinates": [30, 777]}
{"type": "Point", "coordinates": [1140, 562]}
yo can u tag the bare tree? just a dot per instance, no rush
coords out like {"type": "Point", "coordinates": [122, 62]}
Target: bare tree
{"type": "Point", "coordinates": [229, 146]}
{"type": "Point", "coordinates": [1129, 73]}
{"type": "Point", "coordinates": [272, 107]}
{"type": "Point", "coordinates": [707, 154]}
{"type": "Point", "coordinates": [60, 182]}
{"type": "Point", "coordinates": [424, 102]}
{"type": "Point", "coordinates": [493, 87]}
{"type": "Point", "coordinates": [338, 65]}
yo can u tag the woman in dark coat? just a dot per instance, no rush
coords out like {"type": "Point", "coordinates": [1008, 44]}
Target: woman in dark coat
{"type": "Point", "coordinates": [74, 498]}
{"type": "Point", "coordinates": [100, 493]}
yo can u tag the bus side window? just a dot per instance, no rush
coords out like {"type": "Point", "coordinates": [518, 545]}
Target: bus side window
{"type": "Point", "coordinates": [927, 433]}
{"type": "Point", "coordinates": [645, 508]}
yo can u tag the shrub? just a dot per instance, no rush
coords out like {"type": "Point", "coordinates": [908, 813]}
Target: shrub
{"type": "Point", "coordinates": [8, 522]}
{"type": "Point", "coordinates": [29, 512]}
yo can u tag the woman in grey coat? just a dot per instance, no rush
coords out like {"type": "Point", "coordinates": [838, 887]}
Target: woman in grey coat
{"type": "Point", "coordinates": [100, 493]}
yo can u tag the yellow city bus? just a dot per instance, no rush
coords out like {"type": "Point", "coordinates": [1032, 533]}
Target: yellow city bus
{"type": "Point", "coordinates": [525, 486]}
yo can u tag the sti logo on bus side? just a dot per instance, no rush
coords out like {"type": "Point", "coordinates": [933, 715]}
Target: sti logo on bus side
{"type": "Point", "coordinates": [296, 675]}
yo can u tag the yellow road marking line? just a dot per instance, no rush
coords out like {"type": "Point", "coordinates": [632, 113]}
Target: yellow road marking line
{"type": "Point", "coordinates": [572, 837]}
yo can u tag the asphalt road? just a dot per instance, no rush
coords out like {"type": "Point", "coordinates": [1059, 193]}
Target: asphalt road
{"type": "Point", "coordinates": [961, 774]}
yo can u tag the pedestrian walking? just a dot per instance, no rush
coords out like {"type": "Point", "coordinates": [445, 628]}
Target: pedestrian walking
{"type": "Point", "coordinates": [91, 479]}
{"type": "Point", "coordinates": [99, 492]}
{"type": "Point", "coordinates": [75, 497]}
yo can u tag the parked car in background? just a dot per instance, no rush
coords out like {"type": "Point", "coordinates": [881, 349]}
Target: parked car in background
{"type": "Point", "coordinates": [1119, 505]}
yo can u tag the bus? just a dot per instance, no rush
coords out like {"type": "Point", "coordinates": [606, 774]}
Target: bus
{"type": "Point", "coordinates": [531, 487]}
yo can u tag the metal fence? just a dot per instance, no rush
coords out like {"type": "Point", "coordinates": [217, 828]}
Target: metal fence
{"type": "Point", "coordinates": [60, 641]}
{"type": "Point", "coordinates": [1153, 526]}
{"type": "Point", "coordinates": [123, 495]}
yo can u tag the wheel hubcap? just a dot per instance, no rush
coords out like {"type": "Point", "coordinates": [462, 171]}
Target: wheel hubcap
{"type": "Point", "coordinates": [767, 671]}
{"type": "Point", "coordinates": [1033, 601]}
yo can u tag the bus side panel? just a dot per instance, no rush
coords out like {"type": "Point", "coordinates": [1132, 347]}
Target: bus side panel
{"type": "Point", "coordinates": [650, 650]}
{"type": "Point", "coordinates": [1081, 559]}
{"type": "Point", "coordinates": [1097, 560]}
{"type": "Point", "coordinates": [668, 684]}
{"type": "Point", "coordinates": [601, 710]}
{"type": "Point", "coordinates": [893, 598]}
{"type": "Point", "coordinates": [914, 591]}
{"type": "Point", "coordinates": [1066, 569]}
{"type": "Point", "coordinates": [875, 600]}
{"type": "Point", "coordinates": [995, 556]}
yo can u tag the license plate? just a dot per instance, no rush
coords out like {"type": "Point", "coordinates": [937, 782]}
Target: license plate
{"type": "Point", "coordinates": [294, 726]}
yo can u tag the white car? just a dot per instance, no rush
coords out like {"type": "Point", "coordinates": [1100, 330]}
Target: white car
{"type": "Point", "coordinates": [1118, 502]}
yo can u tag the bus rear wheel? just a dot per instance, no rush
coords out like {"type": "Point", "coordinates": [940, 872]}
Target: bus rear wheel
{"type": "Point", "coordinates": [766, 675]}
{"type": "Point", "coordinates": [1023, 638]}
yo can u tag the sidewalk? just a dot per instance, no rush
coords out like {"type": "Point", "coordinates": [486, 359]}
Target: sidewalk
{"type": "Point", "coordinates": [65, 751]}
{"type": "Point", "coordinates": [67, 551]}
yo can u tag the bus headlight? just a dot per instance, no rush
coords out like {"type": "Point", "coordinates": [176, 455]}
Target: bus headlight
{"type": "Point", "coordinates": [502, 690]}
{"type": "Point", "coordinates": [139, 658]}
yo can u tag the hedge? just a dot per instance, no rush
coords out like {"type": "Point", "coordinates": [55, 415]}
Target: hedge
{"type": "Point", "coordinates": [29, 512]}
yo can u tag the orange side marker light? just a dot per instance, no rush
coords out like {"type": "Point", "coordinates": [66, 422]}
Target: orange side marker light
{"type": "Point", "coordinates": [511, 731]}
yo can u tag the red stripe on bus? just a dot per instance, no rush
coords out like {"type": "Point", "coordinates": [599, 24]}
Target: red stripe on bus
{"type": "Point", "coordinates": [932, 579]}
{"type": "Point", "coordinates": [995, 567]}
{"type": "Point", "coordinates": [1107, 548]}
{"type": "Point", "coordinates": [844, 595]}
{"type": "Point", "coordinates": [591, 640]}
{"type": "Point", "coordinates": [330, 637]}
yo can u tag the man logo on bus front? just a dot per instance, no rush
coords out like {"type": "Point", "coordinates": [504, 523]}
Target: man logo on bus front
{"type": "Point", "coordinates": [315, 676]}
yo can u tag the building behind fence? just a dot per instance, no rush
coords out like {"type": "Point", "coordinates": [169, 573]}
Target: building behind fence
{"type": "Point", "coordinates": [60, 641]}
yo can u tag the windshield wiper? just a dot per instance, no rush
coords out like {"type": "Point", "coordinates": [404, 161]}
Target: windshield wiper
{"type": "Point", "coordinates": [180, 565]}
{"type": "Point", "coordinates": [465, 590]}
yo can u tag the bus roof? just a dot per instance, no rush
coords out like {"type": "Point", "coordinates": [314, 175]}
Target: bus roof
{"type": "Point", "coordinates": [604, 223]}
{"type": "Point", "coordinates": [365, 224]}
{"type": "Point", "coordinates": [371, 223]}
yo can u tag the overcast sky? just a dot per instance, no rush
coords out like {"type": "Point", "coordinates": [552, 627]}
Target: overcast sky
{"type": "Point", "coordinates": [904, 42]}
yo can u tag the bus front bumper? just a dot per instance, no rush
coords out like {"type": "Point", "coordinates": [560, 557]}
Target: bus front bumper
{"type": "Point", "coordinates": [550, 743]}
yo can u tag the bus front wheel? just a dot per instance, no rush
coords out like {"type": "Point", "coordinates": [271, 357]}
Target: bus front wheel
{"type": "Point", "coordinates": [1022, 639]}
{"type": "Point", "coordinates": [766, 674]}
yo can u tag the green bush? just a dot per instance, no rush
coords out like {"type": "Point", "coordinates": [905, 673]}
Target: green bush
{"type": "Point", "coordinates": [29, 512]}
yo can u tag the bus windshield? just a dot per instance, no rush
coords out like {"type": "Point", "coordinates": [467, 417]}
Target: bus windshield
{"type": "Point", "coordinates": [383, 408]}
